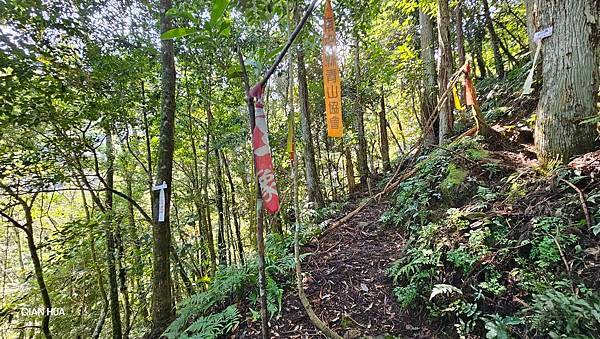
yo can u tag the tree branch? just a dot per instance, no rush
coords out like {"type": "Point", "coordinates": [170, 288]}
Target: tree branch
{"type": "Point", "coordinates": [287, 46]}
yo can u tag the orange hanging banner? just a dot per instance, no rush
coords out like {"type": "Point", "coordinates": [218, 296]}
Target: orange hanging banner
{"type": "Point", "coordinates": [470, 94]}
{"type": "Point", "coordinates": [331, 76]}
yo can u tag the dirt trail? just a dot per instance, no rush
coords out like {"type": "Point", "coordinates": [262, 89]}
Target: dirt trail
{"type": "Point", "coordinates": [345, 279]}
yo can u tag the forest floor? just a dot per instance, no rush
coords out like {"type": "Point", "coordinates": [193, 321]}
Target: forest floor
{"type": "Point", "coordinates": [345, 279]}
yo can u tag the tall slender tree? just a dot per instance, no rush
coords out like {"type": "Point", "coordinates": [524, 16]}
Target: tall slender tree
{"type": "Point", "coordinates": [313, 181]}
{"type": "Point", "coordinates": [429, 96]}
{"type": "Point", "coordinates": [494, 39]}
{"type": "Point", "coordinates": [359, 117]}
{"type": "Point", "coordinates": [115, 313]}
{"type": "Point", "coordinates": [444, 70]}
{"type": "Point", "coordinates": [162, 299]}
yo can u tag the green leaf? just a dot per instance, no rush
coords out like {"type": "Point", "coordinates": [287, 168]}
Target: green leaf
{"type": "Point", "coordinates": [177, 33]}
{"type": "Point", "coordinates": [443, 289]}
{"type": "Point", "coordinates": [218, 8]}
{"type": "Point", "coordinates": [179, 13]}
{"type": "Point", "coordinates": [225, 29]}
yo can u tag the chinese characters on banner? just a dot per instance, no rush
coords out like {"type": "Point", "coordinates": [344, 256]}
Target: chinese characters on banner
{"type": "Point", "coordinates": [331, 76]}
{"type": "Point", "coordinates": [262, 155]}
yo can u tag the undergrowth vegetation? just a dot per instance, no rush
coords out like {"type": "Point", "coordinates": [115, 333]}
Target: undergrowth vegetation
{"type": "Point", "coordinates": [497, 250]}
{"type": "Point", "coordinates": [233, 292]}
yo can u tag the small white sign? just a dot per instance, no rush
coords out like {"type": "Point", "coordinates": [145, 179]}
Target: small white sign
{"type": "Point", "coordinates": [546, 32]}
{"type": "Point", "coordinates": [161, 200]}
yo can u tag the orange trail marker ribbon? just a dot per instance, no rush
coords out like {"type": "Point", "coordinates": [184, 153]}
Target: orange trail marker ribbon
{"type": "Point", "coordinates": [331, 76]}
{"type": "Point", "coordinates": [470, 94]}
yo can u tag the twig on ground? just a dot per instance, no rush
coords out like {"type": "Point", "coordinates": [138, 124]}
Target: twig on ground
{"type": "Point", "coordinates": [582, 199]}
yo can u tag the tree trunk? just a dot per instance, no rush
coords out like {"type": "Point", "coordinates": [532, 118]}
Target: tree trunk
{"type": "Point", "coordinates": [429, 96]}
{"type": "Point", "coordinates": [480, 62]}
{"type": "Point", "coordinates": [147, 140]}
{"type": "Point", "coordinates": [162, 299]}
{"type": "Point", "coordinates": [313, 182]}
{"type": "Point", "coordinates": [39, 273]}
{"type": "Point", "coordinates": [444, 70]}
{"type": "Point", "coordinates": [460, 40]}
{"type": "Point", "coordinates": [494, 40]}
{"type": "Point", "coordinates": [570, 79]}
{"type": "Point", "coordinates": [363, 166]}
{"type": "Point", "coordinates": [236, 218]}
{"type": "Point", "coordinates": [383, 137]}
{"type": "Point", "coordinates": [221, 246]}
{"type": "Point", "coordinates": [113, 291]}
{"type": "Point", "coordinates": [210, 243]}
{"type": "Point", "coordinates": [137, 273]}
{"type": "Point", "coordinates": [260, 241]}
{"type": "Point", "coordinates": [349, 170]}
{"type": "Point", "coordinates": [532, 23]}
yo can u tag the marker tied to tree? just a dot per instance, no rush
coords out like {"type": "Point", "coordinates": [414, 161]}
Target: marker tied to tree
{"type": "Point", "coordinates": [331, 76]}
{"type": "Point", "coordinates": [161, 200]}
{"type": "Point", "coordinates": [538, 37]}
{"type": "Point", "coordinates": [262, 154]}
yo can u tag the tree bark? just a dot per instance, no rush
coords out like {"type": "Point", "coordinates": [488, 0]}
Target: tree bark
{"type": "Point", "coordinates": [210, 243]}
{"type": "Point", "coordinates": [137, 273]}
{"type": "Point", "coordinates": [162, 299]}
{"type": "Point", "coordinates": [313, 181]}
{"type": "Point", "coordinates": [349, 170]}
{"type": "Point", "coordinates": [39, 276]}
{"type": "Point", "coordinates": [444, 70]}
{"type": "Point", "coordinates": [570, 79]}
{"type": "Point", "coordinates": [494, 40]}
{"type": "Point", "coordinates": [532, 23]}
{"type": "Point", "coordinates": [113, 291]}
{"type": "Point", "coordinates": [460, 39]}
{"type": "Point", "coordinates": [383, 137]}
{"type": "Point", "coordinates": [363, 166]}
{"type": "Point", "coordinates": [429, 97]}
{"type": "Point", "coordinates": [236, 217]}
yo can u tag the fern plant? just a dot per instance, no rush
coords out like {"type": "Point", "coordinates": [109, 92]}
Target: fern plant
{"type": "Point", "coordinates": [211, 326]}
{"type": "Point", "coordinates": [561, 315]}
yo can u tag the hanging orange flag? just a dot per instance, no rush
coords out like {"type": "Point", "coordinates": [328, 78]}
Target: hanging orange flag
{"type": "Point", "coordinates": [331, 76]}
{"type": "Point", "coordinates": [470, 94]}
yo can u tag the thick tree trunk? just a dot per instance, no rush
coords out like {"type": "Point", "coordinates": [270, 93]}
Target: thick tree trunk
{"type": "Point", "coordinates": [570, 78]}
{"type": "Point", "coordinates": [429, 97]}
{"type": "Point", "coordinates": [113, 291]}
{"type": "Point", "coordinates": [313, 182]}
{"type": "Point", "coordinates": [494, 40]}
{"type": "Point", "coordinates": [383, 137]}
{"type": "Point", "coordinates": [162, 299]}
{"type": "Point", "coordinates": [363, 165]}
{"type": "Point", "coordinates": [444, 70]}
